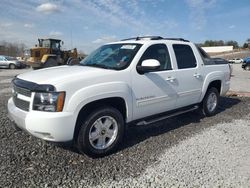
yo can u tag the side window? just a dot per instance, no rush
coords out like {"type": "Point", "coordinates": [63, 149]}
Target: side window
{"type": "Point", "coordinates": [2, 58]}
{"type": "Point", "coordinates": [184, 56]}
{"type": "Point", "coordinates": [160, 53]}
{"type": "Point", "coordinates": [203, 53]}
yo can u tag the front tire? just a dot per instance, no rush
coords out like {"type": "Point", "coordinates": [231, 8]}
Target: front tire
{"type": "Point", "coordinates": [101, 132]}
{"type": "Point", "coordinates": [50, 63]}
{"type": "Point", "coordinates": [12, 66]}
{"type": "Point", "coordinates": [210, 102]}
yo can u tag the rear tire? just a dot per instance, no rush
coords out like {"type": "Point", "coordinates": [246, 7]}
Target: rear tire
{"type": "Point", "coordinates": [12, 66]}
{"type": "Point", "coordinates": [101, 132]}
{"type": "Point", "coordinates": [50, 63]}
{"type": "Point", "coordinates": [210, 102]}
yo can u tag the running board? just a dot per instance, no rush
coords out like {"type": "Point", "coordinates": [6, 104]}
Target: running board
{"type": "Point", "coordinates": [145, 122]}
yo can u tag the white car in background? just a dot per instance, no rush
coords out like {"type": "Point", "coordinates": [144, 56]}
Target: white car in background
{"type": "Point", "coordinates": [235, 60]}
{"type": "Point", "coordinates": [10, 62]}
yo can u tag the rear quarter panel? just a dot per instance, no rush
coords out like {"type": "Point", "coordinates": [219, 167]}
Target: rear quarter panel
{"type": "Point", "coordinates": [213, 73]}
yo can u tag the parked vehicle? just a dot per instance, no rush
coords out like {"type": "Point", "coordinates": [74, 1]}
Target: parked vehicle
{"type": "Point", "coordinates": [136, 81]}
{"type": "Point", "coordinates": [246, 63]}
{"type": "Point", "coordinates": [235, 60]}
{"type": "Point", "coordinates": [10, 62]}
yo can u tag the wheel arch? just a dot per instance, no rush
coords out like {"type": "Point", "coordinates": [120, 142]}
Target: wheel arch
{"type": "Point", "coordinates": [216, 83]}
{"type": "Point", "coordinates": [117, 102]}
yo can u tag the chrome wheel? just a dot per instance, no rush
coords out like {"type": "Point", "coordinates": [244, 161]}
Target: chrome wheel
{"type": "Point", "coordinates": [212, 102]}
{"type": "Point", "coordinates": [103, 132]}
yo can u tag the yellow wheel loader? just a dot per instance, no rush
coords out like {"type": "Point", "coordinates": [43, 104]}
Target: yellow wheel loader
{"type": "Point", "coordinates": [48, 53]}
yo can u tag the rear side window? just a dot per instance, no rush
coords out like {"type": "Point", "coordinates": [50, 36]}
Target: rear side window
{"type": "Point", "coordinates": [184, 56]}
{"type": "Point", "coordinates": [202, 52]}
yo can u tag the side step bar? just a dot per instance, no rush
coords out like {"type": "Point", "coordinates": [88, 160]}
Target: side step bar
{"type": "Point", "coordinates": [145, 122]}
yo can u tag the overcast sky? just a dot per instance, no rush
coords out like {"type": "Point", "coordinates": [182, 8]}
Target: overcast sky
{"type": "Point", "coordinates": [86, 24]}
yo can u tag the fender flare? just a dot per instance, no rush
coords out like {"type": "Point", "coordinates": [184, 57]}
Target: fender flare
{"type": "Point", "coordinates": [214, 76]}
{"type": "Point", "coordinates": [97, 92]}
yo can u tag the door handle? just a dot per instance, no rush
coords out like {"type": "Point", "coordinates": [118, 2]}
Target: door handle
{"type": "Point", "coordinates": [170, 78]}
{"type": "Point", "coordinates": [197, 75]}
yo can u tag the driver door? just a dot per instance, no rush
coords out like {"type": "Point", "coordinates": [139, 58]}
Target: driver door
{"type": "Point", "coordinates": [154, 92]}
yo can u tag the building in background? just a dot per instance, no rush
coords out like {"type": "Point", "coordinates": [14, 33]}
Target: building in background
{"type": "Point", "coordinates": [218, 49]}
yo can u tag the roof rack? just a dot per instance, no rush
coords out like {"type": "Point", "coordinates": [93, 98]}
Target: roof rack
{"type": "Point", "coordinates": [180, 39]}
{"type": "Point", "coordinates": [155, 38]}
{"type": "Point", "coordinates": [144, 37]}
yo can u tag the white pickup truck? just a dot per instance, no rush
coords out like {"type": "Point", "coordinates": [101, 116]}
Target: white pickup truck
{"type": "Point", "coordinates": [135, 81]}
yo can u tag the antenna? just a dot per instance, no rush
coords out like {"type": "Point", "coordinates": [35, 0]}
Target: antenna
{"type": "Point", "coordinates": [71, 42]}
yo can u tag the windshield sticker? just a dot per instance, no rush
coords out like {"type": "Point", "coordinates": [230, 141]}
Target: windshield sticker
{"type": "Point", "coordinates": [128, 47]}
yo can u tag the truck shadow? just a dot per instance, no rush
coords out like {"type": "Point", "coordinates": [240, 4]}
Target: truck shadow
{"type": "Point", "coordinates": [190, 121]}
{"type": "Point", "coordinates": [142, 146]}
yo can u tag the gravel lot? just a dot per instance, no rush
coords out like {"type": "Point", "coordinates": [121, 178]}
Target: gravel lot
{"type": "Point", "coordinates": [185, 151]}
{"type": "Point", "coordinates": [240, 80]}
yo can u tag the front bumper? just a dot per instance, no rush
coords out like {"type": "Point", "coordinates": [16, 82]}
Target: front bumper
{"type": "Point", "coordinates": [50, 126]}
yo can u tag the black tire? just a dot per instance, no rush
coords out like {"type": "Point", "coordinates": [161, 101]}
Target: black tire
{"type": "Point", "coordinates": [73, 61]}
{"type": "Point", "coordinates": [84, 143]}
{"type": "Point", "coordinates": [50, 63]}
{"type": "Point", "coordinates": [209, 108]}
{"type": "Point", "coordinates": [12, 66]}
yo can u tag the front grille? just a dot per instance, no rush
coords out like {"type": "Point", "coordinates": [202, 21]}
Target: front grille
{"type": "Point", "coordinates": [24, 105]}
{"type": "Point", "coordinates": [20, 103]}
{"type": "Point", "coordinates": [22, 91]}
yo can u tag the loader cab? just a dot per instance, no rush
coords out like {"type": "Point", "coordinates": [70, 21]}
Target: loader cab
{"type": "Point", "coordinates": [53, 44]}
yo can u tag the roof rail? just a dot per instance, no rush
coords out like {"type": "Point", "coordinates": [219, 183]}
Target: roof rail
{"type": "Point", "coordinates": [144, 37]}
{"type": "Point", "coordinates": [155, 38]}
{"type": "Point", "coordinates": [180, 39]}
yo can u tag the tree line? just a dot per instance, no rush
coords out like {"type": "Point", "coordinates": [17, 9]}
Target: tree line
{"type": "Point", "coordinates": [12, 49]}
{"type": "Point", "coordinates": [233, 43]}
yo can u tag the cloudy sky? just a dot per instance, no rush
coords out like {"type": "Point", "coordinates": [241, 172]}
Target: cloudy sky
{"type": "Point", "coordinates": [86, 24]}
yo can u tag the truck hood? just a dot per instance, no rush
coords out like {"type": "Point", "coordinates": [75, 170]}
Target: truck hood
{"type": "Point", "coordinates": [56, 75]}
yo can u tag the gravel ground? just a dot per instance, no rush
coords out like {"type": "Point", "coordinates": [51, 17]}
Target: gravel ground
{"type": "Point", "coordinates": [240, 80]}
{"type": "Point", "coordinates": [185, 151]}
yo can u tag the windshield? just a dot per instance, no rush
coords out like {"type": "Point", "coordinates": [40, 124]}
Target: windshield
{"type": "Point", "coordinates": [45, 44]}
{"type": "Point", "coordinates": [112, 56]}
{"type": "Point", "coordinates": [11, 58]}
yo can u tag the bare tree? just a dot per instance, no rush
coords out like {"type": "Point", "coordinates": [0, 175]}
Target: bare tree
{"type": "Point", "coordinates": [12, 49]}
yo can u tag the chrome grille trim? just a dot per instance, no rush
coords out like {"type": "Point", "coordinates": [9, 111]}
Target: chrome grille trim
{"type": "Point", "coordinates": [19, 103]}
{"type": "Point", "coordinates": [22, 91]}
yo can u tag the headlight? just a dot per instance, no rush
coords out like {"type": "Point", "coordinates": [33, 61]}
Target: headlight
{"type": "Point", "coordinates": [49, 102]}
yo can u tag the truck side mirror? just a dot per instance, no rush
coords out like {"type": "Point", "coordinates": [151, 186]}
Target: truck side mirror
{"type": "Point", "coordinates": [148, 65]}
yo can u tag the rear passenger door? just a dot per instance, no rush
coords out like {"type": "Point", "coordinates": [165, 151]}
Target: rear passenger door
{"type": "Point", "coordinates": [188, 74]}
